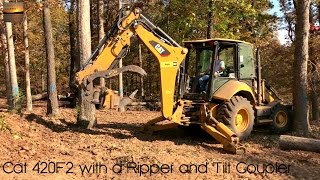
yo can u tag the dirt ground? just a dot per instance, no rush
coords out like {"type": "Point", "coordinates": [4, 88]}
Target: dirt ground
{"type": "Point", "coordinates": [34, 146]}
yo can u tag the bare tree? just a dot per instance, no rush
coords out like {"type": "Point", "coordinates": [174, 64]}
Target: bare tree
{"type": "Point", "coordinates": [27, 61]}
{"type": "Point", "coordinates": [74, 62]}
{"type": "Point", "coordinates": [5, 55]}
{"type": "Point", "coordinates": [301, 56]}
{"type": "Point", "coordinates": [289, 16]}
{"type": "Point", "coordinates": [101, 31]}
{"type": "Point", "coordinates": [52, 104]}
{"type": "Point", "coordinates": [12, 68]}
{"type": "Point", "coordinates": [86, 117]}
{"type": "Point", "coordinates": [314, 72]}
{"type": "Point", "coordinates": [141, 65]}
{"type": "Point", "coordinates": [314, 89]}
{"type": "Point", "coordinates": [318, 8]}
{"type": "Point", "coordinates": [210, 16]}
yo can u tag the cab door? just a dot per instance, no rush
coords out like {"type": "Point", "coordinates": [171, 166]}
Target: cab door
{"type": "Point", "coordinates": [246, 62]}
{"type": "Point", "coordinates": [226, 52]}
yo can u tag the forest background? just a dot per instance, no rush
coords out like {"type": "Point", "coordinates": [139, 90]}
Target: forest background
{"type": "Point", "coordinates": [258, 22]}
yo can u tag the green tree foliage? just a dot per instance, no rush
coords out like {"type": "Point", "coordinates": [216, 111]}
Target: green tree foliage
{"type": "Point", "coordinates": [237, 19]}
{"type": "Point", "coordinates": [276, 61]}
{"type": "Point", "coordinates": [183, 20]}
{"type": "Point", "coordinates": [245, 19]}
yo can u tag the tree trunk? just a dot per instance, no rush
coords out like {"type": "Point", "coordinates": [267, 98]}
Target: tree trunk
{"type": "Point", "coordinates": [73, 48]}
{"type": "Point", "coordinates": [121, 109]}
{"type": "Point", "coordinates": [27, 60]}
{"type": "Point", "coordinates": [295, 5]}
{"type": "Point", "coordinates": [141, 65]}
{"type": "Point", "coordinates": [210, 16]}
{"type": "Point", "coordinates": [41, 96]}
{"type": "Point", "coordinates": [314, 74]}
{"type": "Point", "coordinates": [5, 56]}
{"type": "Point", "coordinates": [43, 81]}
{"type": "Point", "coordinates": [149, 91]}
{"type": "Point", "coordinates": [297, 143]}
{"type": "Point", "coordinates": [318, 7]}
{"type": "Point", "coordinates": [12, 67]}
{"type": "Point", "coordinates": [101, 32]}
{"type": "Point", "coordinates": [86, 117]}
{"type": "Point", "coordinates": [6, 67]}
{"type": "Point", "coordinates": [314, 94]}
{"type": "Point", "coordinates": [310, 14]}
{"type": "Point", "coordinates": [301, 56]}
{"type": "Point", "coordinates": [52, 104]}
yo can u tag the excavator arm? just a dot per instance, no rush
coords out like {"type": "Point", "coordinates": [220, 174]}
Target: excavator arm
{"type": "Point", "coordinates": [170, 58]}
{"type": "Point", "coordinates": [170, 54]}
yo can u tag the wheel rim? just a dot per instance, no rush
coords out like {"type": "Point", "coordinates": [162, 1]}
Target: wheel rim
{"type": "Point", "coordinates": [281, 119]}
{"type": "Point", "coordinates": [242, 120]}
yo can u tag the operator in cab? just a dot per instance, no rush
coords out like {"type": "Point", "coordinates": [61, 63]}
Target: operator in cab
{"type": "Point", "coordinates": [218, 69]}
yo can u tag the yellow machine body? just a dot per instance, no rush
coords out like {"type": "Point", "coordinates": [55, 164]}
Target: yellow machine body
{"type": "Point", "coordinates": [170, 56]}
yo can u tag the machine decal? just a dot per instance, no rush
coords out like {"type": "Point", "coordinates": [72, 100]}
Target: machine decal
{"type": "Point", "coordinates": [161, 50]}
{"type": "Point", "coordinates": [169, 64]}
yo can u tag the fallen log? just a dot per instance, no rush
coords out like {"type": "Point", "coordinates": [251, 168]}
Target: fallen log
{"type": "Point", "coordinates": [298, 143]}
{"type": "Point", "coordinates": [137, 104]}
{"type": "Point", "coordinates": [38, 97]}
{"type": "Point", "coordinates": [43, 96]}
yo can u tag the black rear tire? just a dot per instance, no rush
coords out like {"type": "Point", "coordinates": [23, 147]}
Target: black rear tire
{"type": "Point", "coordinates": [282, 119]}
{"type": "Point", "coordinates": [238, 115]}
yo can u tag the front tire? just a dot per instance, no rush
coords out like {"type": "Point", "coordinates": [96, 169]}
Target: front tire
{"type": "Point", "coordinates": [238, 115]}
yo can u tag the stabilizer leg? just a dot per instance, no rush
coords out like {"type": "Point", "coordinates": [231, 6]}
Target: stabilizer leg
{"type": "Point", "coordinates": [222, 133]}
{"type": "Point", "coordinates": [230, 144]}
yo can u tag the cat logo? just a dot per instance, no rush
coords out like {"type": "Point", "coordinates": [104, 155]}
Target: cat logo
{"type": "Point", "coordinates": [161, 50]}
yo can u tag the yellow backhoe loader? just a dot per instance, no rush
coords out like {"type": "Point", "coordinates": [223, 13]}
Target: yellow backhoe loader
{"type": "Point", "coordinates": [233, 100]}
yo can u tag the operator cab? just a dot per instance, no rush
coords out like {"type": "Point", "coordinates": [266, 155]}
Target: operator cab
{"type": "Point", "coordinates": [215, 62]}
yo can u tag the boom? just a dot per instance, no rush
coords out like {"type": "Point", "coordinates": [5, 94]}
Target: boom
{"type": "Point", "coordinates": [168, 53]}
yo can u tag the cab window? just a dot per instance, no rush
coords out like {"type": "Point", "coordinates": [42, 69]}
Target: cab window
{"type": "Point", "coordinates": [226, 54]}
{"type": "Point", "coordinates": [205, 59]}
{"type": "Point", "coordinates": [246, 61]}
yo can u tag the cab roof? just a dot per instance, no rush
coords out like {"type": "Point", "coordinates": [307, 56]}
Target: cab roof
{"type": "Point", "coordinates": [216, 39]}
